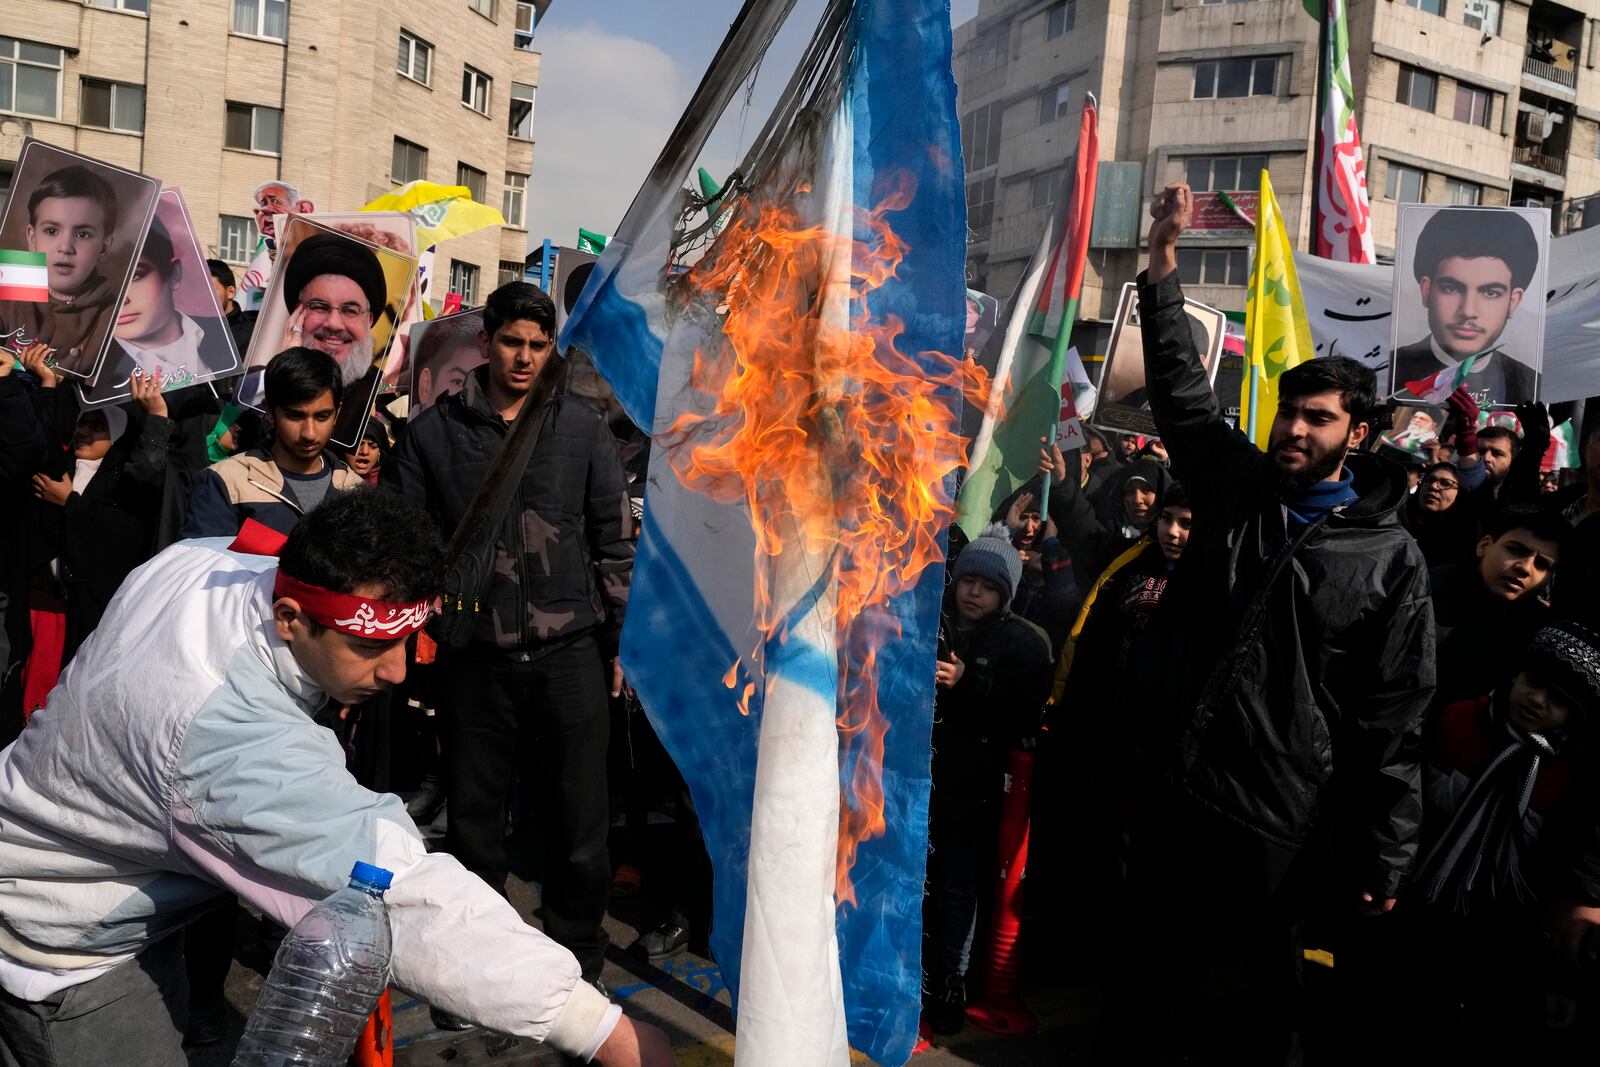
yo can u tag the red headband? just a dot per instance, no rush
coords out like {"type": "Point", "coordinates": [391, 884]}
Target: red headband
{"type": "Point", "coordinates": [355, 615]}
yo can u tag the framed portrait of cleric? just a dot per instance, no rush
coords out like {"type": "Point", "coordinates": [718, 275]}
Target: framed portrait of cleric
{"type": "Point", "coordinates": [338, 294]}
{"type": "Point", "coordinates": [170, 322]}
{"type": "Point", "coordinates": [1122, 406]}
{"type": "Point", "coordinates": [1469, 283]}
{"type": "Point", "coordinates": [396, 231]}
{"type": "Point", "coordinates": [443, 352]}
{"type": "Point", "coordinates": [86, 220]}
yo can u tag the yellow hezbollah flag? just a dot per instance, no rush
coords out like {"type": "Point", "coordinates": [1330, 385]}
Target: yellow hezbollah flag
{"type": "Point", "coordinates": [441, 211]}
{"type": "Point", "coordinates": [1277, 335]}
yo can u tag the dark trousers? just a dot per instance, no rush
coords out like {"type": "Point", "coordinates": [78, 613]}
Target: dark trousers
{"type": "Point", "coordinates": [546, 717]}
{"type": "Point", "coordinates": [1210, 971]}
{"type": "Point", "coordinates": [956, 857]}
{"type": "Point", "coordinates": [133, 1014]}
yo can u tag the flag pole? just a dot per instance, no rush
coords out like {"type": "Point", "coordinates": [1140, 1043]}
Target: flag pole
{"type": "Point", "coordinates": [1058, 366]}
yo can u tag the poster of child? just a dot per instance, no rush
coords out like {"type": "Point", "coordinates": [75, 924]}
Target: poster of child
{"type": "Point", "coordinates": [169, 322]}
{"type": "Point", "coordinates": [444, 351]}
{"type": "Point", "coordinates": [88, 218]}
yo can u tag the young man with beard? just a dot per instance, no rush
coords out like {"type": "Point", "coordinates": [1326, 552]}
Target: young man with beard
{"type": "Point", "coordinates": [1292, 662]}
{"type": "Point", "coordinates": [278, 484]}
{"type": "Point", "coordinates": [529, 691]}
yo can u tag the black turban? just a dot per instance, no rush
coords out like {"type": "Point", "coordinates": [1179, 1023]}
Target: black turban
{"type": "Point", "coordinates": [328, 253]}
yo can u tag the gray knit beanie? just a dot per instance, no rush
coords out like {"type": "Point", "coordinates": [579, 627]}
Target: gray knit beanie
{"type": "Point", "coordinates": [991, 557]}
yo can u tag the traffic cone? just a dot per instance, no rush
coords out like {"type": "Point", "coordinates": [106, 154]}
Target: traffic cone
{"type": "Point", "coordinates": [375, 1046]}
{"type": "Point", "coordinates": [1000, 1010]}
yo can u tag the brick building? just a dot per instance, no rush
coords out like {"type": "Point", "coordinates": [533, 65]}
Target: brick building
{"type": "Point", "coordinates": [1459, 101]}
{"type": "Point", "coordinates": [346, 99]}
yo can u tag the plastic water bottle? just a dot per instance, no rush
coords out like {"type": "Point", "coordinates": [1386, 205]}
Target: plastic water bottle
{"type": "Point", "coordinates": [326, 979]}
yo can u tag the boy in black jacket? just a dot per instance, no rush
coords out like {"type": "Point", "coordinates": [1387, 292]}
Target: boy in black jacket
{"type": "Point", "coordinates": [991, 685]}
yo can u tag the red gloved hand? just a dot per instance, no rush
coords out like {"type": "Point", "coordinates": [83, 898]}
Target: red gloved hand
{"type": "Point", "coordinates": [1464, 410]}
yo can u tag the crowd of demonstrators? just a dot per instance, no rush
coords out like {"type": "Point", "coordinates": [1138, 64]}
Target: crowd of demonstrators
{"type": "Point", "coordinates": [1305, 696]}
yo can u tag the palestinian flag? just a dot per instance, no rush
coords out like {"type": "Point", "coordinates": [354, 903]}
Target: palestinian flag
{"type": "Point", "coordinates": [1026, 403]}
{"type": "Point", "coordinates": [22, 277]}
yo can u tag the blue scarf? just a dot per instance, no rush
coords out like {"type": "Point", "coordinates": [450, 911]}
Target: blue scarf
{"type": "Point", "coordinates": [1322, 498]}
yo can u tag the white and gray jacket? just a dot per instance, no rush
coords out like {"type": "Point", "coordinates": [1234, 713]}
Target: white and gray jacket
{"type": "Point", "coordinates": [177, 759]}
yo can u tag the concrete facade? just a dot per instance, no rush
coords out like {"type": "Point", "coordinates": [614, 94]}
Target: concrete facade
{"type": "Point", "coordinates": [1458, 108]}
{"type": "Point", "coordinates": [333, 76]}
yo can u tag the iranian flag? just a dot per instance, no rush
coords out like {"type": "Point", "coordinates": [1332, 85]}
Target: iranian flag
{"type": "Point", "coordinates": [1033, 338]}
{"type": "Point", "coordinates": [22, 276]}
{"type": "Point", "coordinates": [1436, 389]}
{"type": "Point", "coordinates": [1563, 450]}
{"type": "Point", "coordinates": [1342, 225]}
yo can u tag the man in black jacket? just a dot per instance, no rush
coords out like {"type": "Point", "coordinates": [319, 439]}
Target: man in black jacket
{"type": "Point", "coordinates": [1295, 662]}
{"type": "Point", "coordinates": [544, 655]}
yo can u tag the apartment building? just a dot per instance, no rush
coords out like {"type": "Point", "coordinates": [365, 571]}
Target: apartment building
{"type": "Point", "coordinates": [344, 99]}
{"type": "Point", "coordinates": [1459, 101]}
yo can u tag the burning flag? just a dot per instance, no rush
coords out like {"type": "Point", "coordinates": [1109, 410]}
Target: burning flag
{"type": "Point", "coordinates": [1025, 402]}
{"type": "Point", "coordinates": [783, 340]}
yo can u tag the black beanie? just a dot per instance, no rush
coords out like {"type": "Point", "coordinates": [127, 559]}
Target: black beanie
{"type": "Point", "coordinates": [1566, 656]}
{"type": "Point", "coordinates": [331, 253]}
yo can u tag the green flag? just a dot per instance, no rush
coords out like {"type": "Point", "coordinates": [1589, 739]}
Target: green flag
{"type": "Point", "coordinates": [591, 242]}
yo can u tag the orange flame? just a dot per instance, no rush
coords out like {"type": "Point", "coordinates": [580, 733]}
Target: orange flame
{"type": "Point", "coordinates": [823, 427]}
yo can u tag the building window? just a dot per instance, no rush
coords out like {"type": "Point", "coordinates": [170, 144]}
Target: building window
{"type": "Point", "coordinates": [520, 124]}
{"type": "Point", "coordinates": [236, 238]}
{"type": "Point", "coordinates": [1060, 20]}
{"type": "Point", "coordinates": [1042, 189]}
{"type": "Point", "coordinates": [1404, 184]}
{"type": "Point", "coordinates": [112, 106]}
{"type": "Point", "coordinates": [483, 7]}
{"type": "Point", "coordinates": [409, 162]}
{"type": "Point", "coordinates": [1418, 88]}
{"type": "Point", "coordinates": [416, 57]}
{"type": "Point", "coordinates": [464, 282]}
{"type": "Point", "coordinates": [511, 271]}
{"type": "Point", "coordinates": [980, 208]}
{"type": "Point", "coordinates": [1464, 193]}
{"type": "Point", "coordinates": [989, 52]}
{"type": "Point", "coordinates": [1482, 15]}
{"type": "Point", "coordinates": [512, 198]}
{"type": "Point", "coordinates": [527, 19]}
{"type": "Point", "coordinates": [1473, 106]}
{"type": "Point", "coordinates": [474, 179]}
{"type": "Point", "coordinates": [1229, 173]}
{"type": "Point", "coordinates": [1432, 7]}
{"type": "Point", "coordinates": [30, 78]}
{"type": "Point", "coordinates": [1224, 1]}
{"type": "Point", "coordinates": [980, 136]}
{"type": "Point", "coordinates": [262, 18]}
{"type": "Point", "coordinates": [254, 129]}
{"type": "Point", "coordinates": [1235, 77]}
{"type": "Point", "coordinates": [141, 6]}
{"type": "Point", "coordinates": [1221, 266]}
{"type": "Point", "coordinates": [475, 90]}
{"type": "Point", "coordinates": [1053, 104]}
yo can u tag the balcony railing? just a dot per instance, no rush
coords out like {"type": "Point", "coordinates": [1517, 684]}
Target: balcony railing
{"type": "Point", "coordinates": [1550, 72]}
{"type": "Point", "coordinates": [1533, 156]}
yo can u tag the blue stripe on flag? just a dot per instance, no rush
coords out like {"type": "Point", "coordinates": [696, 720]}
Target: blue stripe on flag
{"type": "Point", "coordinates": [605, 321]}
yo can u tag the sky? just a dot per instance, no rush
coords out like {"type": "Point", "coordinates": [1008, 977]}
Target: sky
{"type": "Point", "coordinates": [613, 79]}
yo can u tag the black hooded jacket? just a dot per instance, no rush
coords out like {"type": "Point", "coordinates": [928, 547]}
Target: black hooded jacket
{"type": "Point", "coordinates": [1296, 664]}
{"type": "Point", "coordinates": [565, 557]}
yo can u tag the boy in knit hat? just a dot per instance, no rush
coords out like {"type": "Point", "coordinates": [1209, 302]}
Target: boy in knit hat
{"type": "Point", "coordinates": [1500, 798]}
{"type": "Point", "coordinates": [992, 679]}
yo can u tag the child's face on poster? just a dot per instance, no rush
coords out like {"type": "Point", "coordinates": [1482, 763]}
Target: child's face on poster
{"type": "Point", "coordinates": [72, 233]}
{"type": "Point", "coordinates": [1469, 302]}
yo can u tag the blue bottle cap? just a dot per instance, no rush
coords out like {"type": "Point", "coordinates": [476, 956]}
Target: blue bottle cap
{"type": "Point", "coordinates": [367, 874]}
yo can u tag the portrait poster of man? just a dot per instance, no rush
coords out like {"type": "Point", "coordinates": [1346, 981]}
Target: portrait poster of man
{"type": "Point", "coordinates": [396, 231]}
{"type": "Point", "coordinates": [1470, 281]}
{"type": "Point", "coordinates": [1414, 428]}
{"type": "Point", "coordinates": [88, 219]}
{"type": "Point", "coordinates": [337, 294]}
{"type": "Point", "coordinates": [1122, 406]}
{"type": "Point", "coordinates": [444, 351]}
{"type": "Point", "coordinates": [170, 322]}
